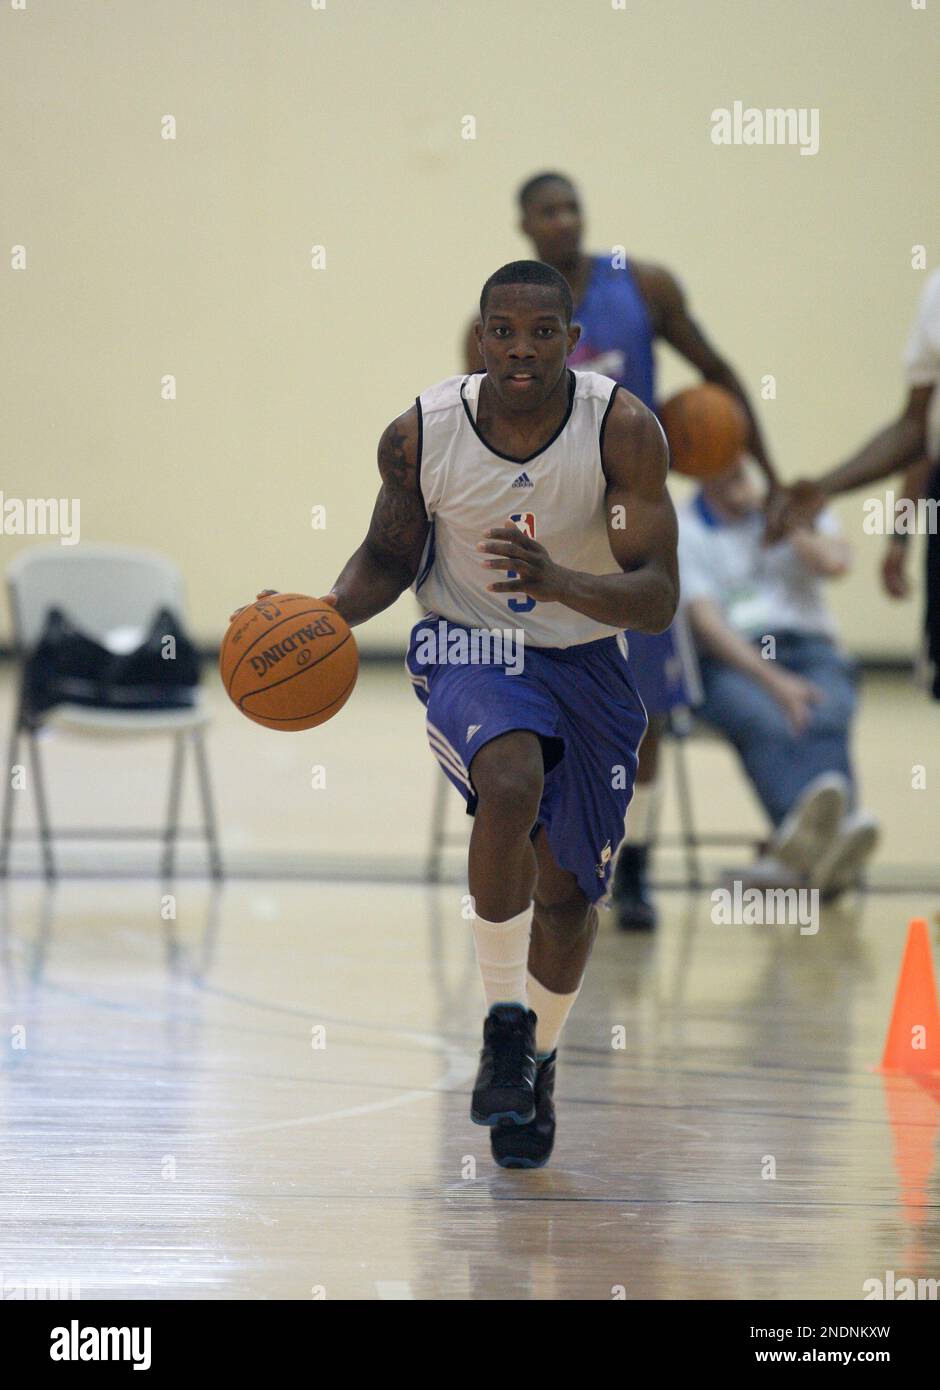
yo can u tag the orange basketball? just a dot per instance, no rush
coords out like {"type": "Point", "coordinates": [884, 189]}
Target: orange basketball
{"type": "Point", "coordinates": [706, 428]}
{"type": "Point", "coordinates": [289, 661]}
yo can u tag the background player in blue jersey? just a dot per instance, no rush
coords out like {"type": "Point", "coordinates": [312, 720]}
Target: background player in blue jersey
{"type": "Point", "coordinates": [622, 309]}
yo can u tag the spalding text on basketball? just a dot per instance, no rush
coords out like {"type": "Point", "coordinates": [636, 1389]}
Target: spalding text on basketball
{"type": "Point", "coordinates": [323, 627]}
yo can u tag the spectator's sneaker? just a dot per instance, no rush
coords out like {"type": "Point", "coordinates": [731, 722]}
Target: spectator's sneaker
{"type": "Point", "coordinates": [629, 893]}
{"type": "Point", "coordinates": [812, 824]}
{"type": "Point", "coordinates": [765, 872]}
{"type": "Point", "coordinates": [505, 1084]}
{"type": "Point", "coordinates": [530, 1146]}
{"type": "Point", "coordinates": [842, 864]}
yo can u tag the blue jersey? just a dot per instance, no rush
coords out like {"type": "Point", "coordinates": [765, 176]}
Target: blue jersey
{"type": "Point", "coordinates": [617, 341]}
{"type": "Point", "coordinates": [616, 332]}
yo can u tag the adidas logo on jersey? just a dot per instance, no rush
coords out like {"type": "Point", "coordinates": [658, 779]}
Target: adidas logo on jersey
{"type": "Point", "coordinates": [523, 480]}
{"type": "Point", "coordinates": [472, 729]}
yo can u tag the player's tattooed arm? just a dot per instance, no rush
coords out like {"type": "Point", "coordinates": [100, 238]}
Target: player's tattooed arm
{"type": "Point", "coordinates": [641, 528]}
{"type": "Point", "coordinates": [672, 320]}
{"type": "Point", "coordinates": [387, 561]}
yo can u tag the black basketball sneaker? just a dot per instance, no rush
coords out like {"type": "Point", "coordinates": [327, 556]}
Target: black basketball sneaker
{"type": "Point", "coordinates": [530, 1146]}
{"type": "Point", "coordinates": [505, 1084]}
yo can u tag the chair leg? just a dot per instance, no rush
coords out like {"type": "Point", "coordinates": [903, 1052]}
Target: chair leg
{"type": "Point", "coordinates": [42, 811]}
{"type": "Point", "coordinates": [208, 810]}
{"type": "Point", "coordinates": [438, 829]}
{"type": "Point", "coordinates": [173, 807]}
{"type": "Point", "coordinates": [654, 818]}
{"type": "Point", "coordinates": [686, 816]}
{"type": "Point", "coordinates": [6, 833]}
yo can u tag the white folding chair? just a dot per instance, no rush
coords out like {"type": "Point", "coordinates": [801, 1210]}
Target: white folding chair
{"type": "Point", "coordinates": [111, 592]}
{"type": "Point", "coordinates": [681, 725]}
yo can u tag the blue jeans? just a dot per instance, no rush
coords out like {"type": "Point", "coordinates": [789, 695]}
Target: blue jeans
{"type": "Point", "coordinates": [779, 762]}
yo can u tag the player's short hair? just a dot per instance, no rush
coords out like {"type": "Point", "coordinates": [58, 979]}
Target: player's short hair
{"type": "Point", "coordinates": [529, 273]}
{"type": "Point", "coordinates": [532, 186]}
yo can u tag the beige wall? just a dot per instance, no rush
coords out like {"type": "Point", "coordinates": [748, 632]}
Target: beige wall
{"type": "Point", "coordinates": [342, 127]}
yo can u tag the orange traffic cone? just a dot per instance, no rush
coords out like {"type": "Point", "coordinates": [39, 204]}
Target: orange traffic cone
{"type": "Point", "coordinates": [913, 1041]}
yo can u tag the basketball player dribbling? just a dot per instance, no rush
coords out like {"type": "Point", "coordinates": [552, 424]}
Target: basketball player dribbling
{"type": "Point", "coordinates": [622, 310]}
{"type": "Point", "coordinates": [526, 499]}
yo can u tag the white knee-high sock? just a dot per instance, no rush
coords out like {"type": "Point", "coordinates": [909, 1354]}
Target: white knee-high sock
{"type": "Point", "coordinates": [502, 953]}
{"type": "Point", "coordinates": [551, 1010]}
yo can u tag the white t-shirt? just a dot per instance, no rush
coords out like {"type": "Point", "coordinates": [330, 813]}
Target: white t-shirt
{"type": "Point", "coordinates": [922, 358]}
{"type": "Point", "coordinates": [759, 589]}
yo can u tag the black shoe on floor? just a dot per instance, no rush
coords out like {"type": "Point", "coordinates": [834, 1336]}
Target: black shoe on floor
{"type": "Point", "coordinates": [505, 1084]}
{"type": "Point", "coordinates": [629, 895]}
{"type": "Point", "coordinates": [530, 1146]}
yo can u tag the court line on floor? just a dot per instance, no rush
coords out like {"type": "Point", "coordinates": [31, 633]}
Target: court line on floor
{"type": "Point", "coordinates": [448, 1044]}
{"type": "Point", "coordinates": [453, 1075]}
{"type": "Point", "coordinates": [576, 1054]}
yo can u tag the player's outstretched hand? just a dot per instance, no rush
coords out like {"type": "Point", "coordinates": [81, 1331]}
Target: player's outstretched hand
{"type": "Point", "coordinates": [534, 571]}
{"type": "Point", "coordinates": [894, 569]}
{"type": "Point", "coordinates": [329, 598]}
{"type": "Point", "coordinates": [265, 593]}
{"type": "Point", "coordinates": [793, 506]}
{"type": "Point", "coordinates": [775, 514]}
{"type": "Point", "coordinates": [775, 503]}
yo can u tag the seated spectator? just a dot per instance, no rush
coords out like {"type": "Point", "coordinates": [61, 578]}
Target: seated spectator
{"type": "Point", "coordinates": [774, 679]}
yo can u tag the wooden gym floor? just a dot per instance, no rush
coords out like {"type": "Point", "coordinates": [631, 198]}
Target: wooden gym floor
{"type": "Point", "coordinates": [267, 1096]}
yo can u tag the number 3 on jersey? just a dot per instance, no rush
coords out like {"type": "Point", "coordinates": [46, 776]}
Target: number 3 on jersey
{"type": "Point", "coordinates": [526, 523]}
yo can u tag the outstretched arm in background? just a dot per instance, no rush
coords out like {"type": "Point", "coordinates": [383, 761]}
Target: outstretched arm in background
{"type": "Point", "coordinates": [891, 449]}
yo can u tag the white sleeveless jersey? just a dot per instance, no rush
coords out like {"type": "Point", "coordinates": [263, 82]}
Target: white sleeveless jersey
{"type": "Point", "coordinates": [556, 495]}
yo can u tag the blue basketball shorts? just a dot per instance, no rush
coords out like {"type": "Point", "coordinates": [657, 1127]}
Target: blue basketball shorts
{"type": "Point", "coordinates": [582, 703]}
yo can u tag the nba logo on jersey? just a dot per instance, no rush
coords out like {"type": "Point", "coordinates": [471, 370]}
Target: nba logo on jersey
{"type": "Point", "coordinates": [526, 523]}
